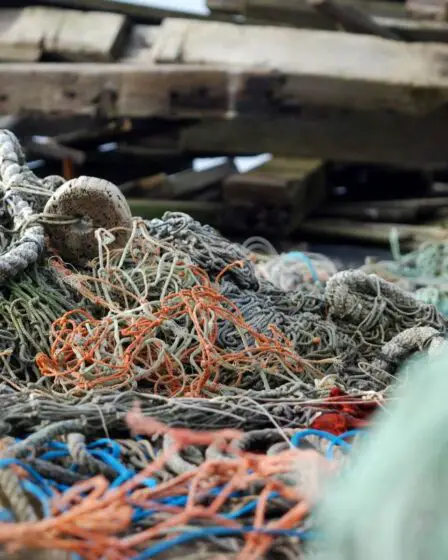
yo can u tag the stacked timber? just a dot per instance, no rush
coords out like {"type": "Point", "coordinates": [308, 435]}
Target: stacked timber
{"type": "Point", "coordinates": [341, 93]}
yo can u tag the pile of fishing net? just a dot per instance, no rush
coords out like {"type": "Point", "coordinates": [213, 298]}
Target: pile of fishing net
{"type": "Point", "coordinates": [169, 313]}
{"type": "Point", "coordinates": [168, 494]}
{"type": "Point", "coordinates": [423, 272]}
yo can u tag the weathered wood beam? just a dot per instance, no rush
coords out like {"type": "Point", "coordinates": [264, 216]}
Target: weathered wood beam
{"type": "Point", "coordinates": [383, 75]}
{"type": "Point", "coordinates": [179, 185]}
{"type": "Point", "coordinates": [401, 210]}
{"type": "Point", "coordinates": [410, 235]}
{"type": "Point", "coordinates": [11, 48]}
{"type": "Point", "coordinates": [299, 13]}
{"type": "Point", "coordinates": [138, 12]}
{"type": "Point", "coordinates": [436, 9]}
{"type": "Point", "coordinates": [229, 68]}
{"type": "Point", "coordinates": [52, 150]}
{"type": "Point", "coordinates": [334, 135]}
{"type": "Point", "coordinates": [64, 34]}
{"type": "Point", "coordinates": [364, 137]}
{"type": "Point", "coordinates": [352, 19]}
{"type": "Point", "coordinates": [120, 89]}
{"type": "Point", "coordinates": [295, 184]}
{"type": "Point", "coordinates": [274, 10]}
{"type": "Point", "coordinates": [215, 213]}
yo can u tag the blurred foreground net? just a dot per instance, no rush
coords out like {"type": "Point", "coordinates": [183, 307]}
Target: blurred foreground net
{"type": "Point", "coordinates": [182, 321]}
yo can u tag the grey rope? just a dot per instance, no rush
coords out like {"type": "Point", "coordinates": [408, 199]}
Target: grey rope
{"type": "Point", "coordinates": [14, 175]}
{"type": "Point", "coordinates": [76, 444]}
{"type": "Point", "coordinates": [400, 347]}
{"type": "Point", "coordinates": [44, 435]}
{"type": "Point", "coordinates": [13, 497]}
{"type": "Point", "coordinates": [52, 471]}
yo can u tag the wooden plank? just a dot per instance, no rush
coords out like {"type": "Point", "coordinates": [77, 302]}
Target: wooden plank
{"type": "Point", "coordinates": [297, 185]}
{"type": "Point", "coordinates": [179, 185]}
{"type": "Point", "coordinates": [383, 74]}
{"type": "Point", "coordinates": [134, 90]}
{"type": "Point", "coordinates": [52, 150]}
{"type": "Point", "coordinates": [416, 30]}
{"type": "Point", "coordinates": [88, 36]}
{"type": "Point", "coordinates": [67, 34]}
{"type": "Point", "coordinates": [352, 18]}
{"type": "Point", "coordinates": [139, 12]}
{"type": "Point", "coordinates": [299, 13]}
{"type": "Point", "coordinates": [25, 32]}
{"type": "Point", "coordinates": [275, 182]}
{"type": "Point", "coordinates": [376, 137]}
{"type": "Point", "coordinates": [411, 236]}
{"type": "Point", "coordinates": [207, 212]}
{"type": "Point", "coordinates": [401, 210]}
{"type": "Point", "coordinates": [138, 48]}
{"type": "Point", "coordinates": [433, 9]}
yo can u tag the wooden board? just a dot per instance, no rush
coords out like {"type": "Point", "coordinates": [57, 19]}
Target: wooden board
{"type": "Point", "coordinates": [272, 9]}
{"type": "Point", "coordinates": [139, 45]}
{"type": "Point", "coordinates": [416, 30]}
{"type": "Point", "coordinates": [295, 184]}
{"type": "Point", "coordinates": [409, 210]}
{"type": "Point", "coordinates": [383, 75]}
{"type": "Point", "coordinates": [299, 13]}
{"type": "Point", "coordinates": [365, 137]}
{"type": "Point", "coordinates": [130, 90]}
{"type": "Point", "coordinates": [138, 11]}
{"type": "Point", "coordinates": [89, 36]}
{"type": "Point", "coordinates": [434, 9]}
{"type": "Point", "coordinates": [67, 34]}
{"type": "Point", "coordinates": [22, 34]}
{"type": "Point", "coordinates": [275, 182]}
{"type": "Point", "coordinates": [411, 236]}
{"type": "Point", "coordinates": [185, 184]}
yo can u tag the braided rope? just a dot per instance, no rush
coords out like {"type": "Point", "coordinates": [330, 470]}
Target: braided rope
{"type": "Point", "coordinates": [16, 177]}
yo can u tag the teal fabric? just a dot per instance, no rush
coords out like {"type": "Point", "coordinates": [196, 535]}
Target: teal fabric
{"type": "Point", "coordinates": [392, 502]}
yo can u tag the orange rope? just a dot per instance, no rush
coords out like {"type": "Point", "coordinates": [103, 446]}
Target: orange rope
{"type": "Point", "coordinates": [87, 352]}
{"type": "Point", "coordinates": [89, 517]}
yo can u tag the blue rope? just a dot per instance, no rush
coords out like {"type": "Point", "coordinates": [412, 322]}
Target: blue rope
{"type": "Point", "coordinates": [206, 532]}
{"type": "Point", "coordinates": [109, 452]}
{"type": "Point", "coordinates": [352, 433]}
{"type": "Point", "coordinates": [39, 494]}
{"type": "Point", "coordinates": [5, 463]}
{"type": "Point", "coordinates": [336, 440]}
{"type": "Point", "coordinates": [106, 442]}
{"type": "Point", "coordinates": [6, 516]}
{"type": "Point", "coordinates": [298, 255]}
{"type": "Point", "coordinates": [248, 508]}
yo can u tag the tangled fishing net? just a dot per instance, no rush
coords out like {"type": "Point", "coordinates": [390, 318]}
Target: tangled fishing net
{"type": "Point", "coordinates": [391, 502]}
{"type": "Point", "coordinates": [169, 313]}
{"type": "Point", "coordinates": [289, 271]}
{"type": "Point", "coordinates": [424, 272]}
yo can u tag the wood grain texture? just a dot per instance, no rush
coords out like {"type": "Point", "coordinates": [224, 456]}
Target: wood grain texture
{"type": "Point", "coordinates": [132, 90]}
{"type": "Point", "coordinates": [67, 34]}
{"type": "Point", "coordinates": [345, 70]}
{"type": "Point", "coordinates": [299, 13]}
{"type": "Point", "coordinates": [23, 33]}
{"type": "Point", "coordinates": [375, 137]}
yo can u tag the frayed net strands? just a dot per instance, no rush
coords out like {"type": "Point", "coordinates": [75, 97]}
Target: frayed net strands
{"type": "Point", "coordinates": [391, 502]}
{"type": "Point", "coordinates": [424, 272]}
{"type": "Point", "coordinates": [169, 313]}
{"type": "Point", "coordinates": [289, 271]}
{"type": "Point", "coordinates": [177, 310]}
{"type": "Point", "coordinates": [247, 494]}
{"type": "Point", "coordinates": [105, 411]}
{"type": "Point", "coordinates": [160, 328]}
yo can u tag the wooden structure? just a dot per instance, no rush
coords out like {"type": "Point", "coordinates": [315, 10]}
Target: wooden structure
{"type": "Point", "coordinates": [135, 93]}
